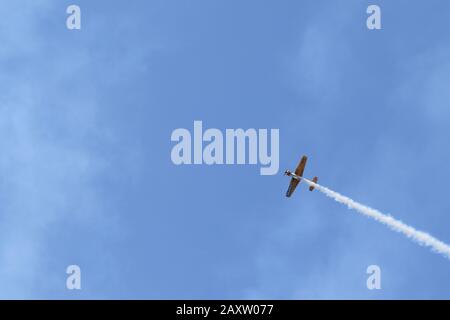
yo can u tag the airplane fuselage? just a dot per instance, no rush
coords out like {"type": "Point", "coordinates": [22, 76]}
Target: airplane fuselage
{"type": "Point", "coordinates": [296, 177]}
{"type": "Point", "coordinates": [293, 175]}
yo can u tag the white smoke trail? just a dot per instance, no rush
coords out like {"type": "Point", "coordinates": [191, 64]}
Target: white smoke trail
{"type": "Point", "coordinates": [420, 237]}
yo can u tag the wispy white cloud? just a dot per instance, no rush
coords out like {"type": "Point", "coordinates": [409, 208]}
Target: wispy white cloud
{"type": "Point", "coordinates": [47, 165]}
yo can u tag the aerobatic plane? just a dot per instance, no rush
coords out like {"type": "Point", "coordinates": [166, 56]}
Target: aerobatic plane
{"type": "Point", "coordinates": [297, 176]}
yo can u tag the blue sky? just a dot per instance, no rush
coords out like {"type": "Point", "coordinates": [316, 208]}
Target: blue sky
{"type": "Point", "coordinates": [86, 175]}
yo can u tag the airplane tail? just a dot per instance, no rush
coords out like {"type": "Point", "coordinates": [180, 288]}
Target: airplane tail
{"type": "Point", "coordinates": [315, 179]}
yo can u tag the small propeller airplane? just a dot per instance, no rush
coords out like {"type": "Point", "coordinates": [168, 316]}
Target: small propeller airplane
{"type": "Point", "coordinates": [297, 176]}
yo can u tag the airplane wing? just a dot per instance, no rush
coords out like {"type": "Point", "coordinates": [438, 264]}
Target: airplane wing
{"type": "Point", "coordinates": [299, 173]}
{"type": "Point", "coordinates": [292, 185]}
{"type": "Point", "coordinates": [301, 167]}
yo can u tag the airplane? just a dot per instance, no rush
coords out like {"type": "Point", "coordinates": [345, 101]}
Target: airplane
{"type": "Point", "coordinates": [297, 176]}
